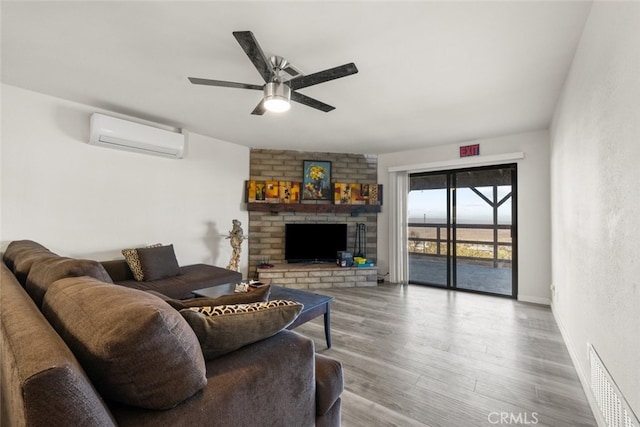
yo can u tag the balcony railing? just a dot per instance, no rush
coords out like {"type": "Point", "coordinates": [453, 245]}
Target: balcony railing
{"type": "Point", "coordinates": [482, 243]}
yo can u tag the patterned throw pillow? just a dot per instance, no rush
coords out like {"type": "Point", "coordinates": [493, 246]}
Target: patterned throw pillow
{"type": "Point", "coordinates": [220, 310]}
{"type": "Point", "coordinates": [225, 328]}
{"type": "Point", "coordinates": [131, 256]}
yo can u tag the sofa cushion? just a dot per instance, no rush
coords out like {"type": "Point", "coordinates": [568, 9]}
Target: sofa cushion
{"type": "Point", "coordinates": [21, 255]}
{"type": "Point", "coordinates": [260, 294]}
{"type": "Point", "coordinates": [48, 270]}
{"type": "Point", "coordinates": [135, 348]}
{"type": "Point", "coordinates": [268, 383]}
{"type": "Point", "coordinates": [158, 263]}
{"type": "Point", "coordinates": [132, 259]}
{"type": "Point", "coordinates": [18, 248]}
{"type": "Point", "coordinates": [224, 328]}
{"type": "Point", "coordinates": [192, 277]}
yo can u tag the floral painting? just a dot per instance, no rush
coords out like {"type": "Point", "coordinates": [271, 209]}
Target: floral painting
{"type": "Point", "coordinates": [316, 180]}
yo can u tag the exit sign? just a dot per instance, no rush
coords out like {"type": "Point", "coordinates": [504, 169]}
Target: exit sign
{"type": "Point", "coordinates": [470, 150]}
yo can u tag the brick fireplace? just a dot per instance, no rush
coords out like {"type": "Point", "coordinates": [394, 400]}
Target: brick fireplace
{"type": "Point", "coordinates": [266, 229]}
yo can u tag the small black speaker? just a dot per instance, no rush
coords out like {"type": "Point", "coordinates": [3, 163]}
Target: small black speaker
{"type": "Point", "coordinates": [344, 259]}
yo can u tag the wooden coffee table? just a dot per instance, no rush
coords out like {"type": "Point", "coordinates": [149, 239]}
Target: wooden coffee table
{"type": "Point", "coordinates": [314, 304]}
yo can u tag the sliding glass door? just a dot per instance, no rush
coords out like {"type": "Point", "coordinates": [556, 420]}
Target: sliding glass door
{"type": "Point", "coordinates": [429, 207]}
{"type": "Point", "coordinates": [462, 229]}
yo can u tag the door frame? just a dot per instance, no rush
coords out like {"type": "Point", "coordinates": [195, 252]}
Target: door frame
{"type": "Point", "coordinates": [451, 257]}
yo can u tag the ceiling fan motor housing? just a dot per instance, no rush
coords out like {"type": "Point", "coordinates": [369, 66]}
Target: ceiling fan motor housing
{"type": "Point", "coordinates": [277, 96]}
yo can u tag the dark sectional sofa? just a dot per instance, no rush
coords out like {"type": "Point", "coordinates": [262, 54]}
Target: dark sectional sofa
{"type": "Point", "coordinates": [78, 350]}
{"type": "Point", "coordinates": [191, 277]}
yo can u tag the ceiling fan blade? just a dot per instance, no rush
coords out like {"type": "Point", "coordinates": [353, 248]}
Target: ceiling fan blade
{"type": "Point", "coordinates": [323, 76]}
{"type": "Point", "coordinates": [253, 50]}
{"type": "Point", "coordinates": [208, 82]}
{"type": "Point", "coordinates": [259, 110]}
{"type": "Point", "coordinates": [310, 102]}
{"type": "Point", "coordinates": [291, 71]}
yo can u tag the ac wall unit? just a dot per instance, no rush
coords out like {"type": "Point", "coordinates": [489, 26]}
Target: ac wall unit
{"type": "Point", "coordinates": [121, 134]}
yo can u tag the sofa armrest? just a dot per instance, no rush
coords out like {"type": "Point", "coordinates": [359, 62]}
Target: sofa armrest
{"type": "Point", "coordinates": [329, 383]}
{"type": "Point", "coordinates": [118, 270]}
{"type": "Point", "coordinates": [41, 381]}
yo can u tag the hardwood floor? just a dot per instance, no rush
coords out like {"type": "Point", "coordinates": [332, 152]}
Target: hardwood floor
{"type": "Point", "coordinates": [420, 356]}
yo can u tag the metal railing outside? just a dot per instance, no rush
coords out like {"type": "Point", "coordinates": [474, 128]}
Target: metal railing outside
{"type": "Point", "coordinates": [471, 244]}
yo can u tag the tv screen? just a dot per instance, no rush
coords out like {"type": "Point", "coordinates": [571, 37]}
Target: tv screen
{"type": "Point", "coordinates": [314, 242]}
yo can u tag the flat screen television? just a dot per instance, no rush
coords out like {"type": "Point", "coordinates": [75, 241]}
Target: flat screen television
{"type": "Point", "coordinates": [304, 242]}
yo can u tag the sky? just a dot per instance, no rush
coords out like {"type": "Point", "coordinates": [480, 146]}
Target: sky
{"type": "Point", "coordinates": [431, 206]}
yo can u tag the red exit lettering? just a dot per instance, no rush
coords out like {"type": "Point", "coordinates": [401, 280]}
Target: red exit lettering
{"type": "Point", "coordinates": [470, 150]}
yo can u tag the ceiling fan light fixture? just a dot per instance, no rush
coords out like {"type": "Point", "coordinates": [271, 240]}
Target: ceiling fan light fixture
{"type": "Point", "coordinates": [277, 97]}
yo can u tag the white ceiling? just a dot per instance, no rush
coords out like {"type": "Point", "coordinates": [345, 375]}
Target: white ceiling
{"type": "Point", "coordinates": [429, 72]}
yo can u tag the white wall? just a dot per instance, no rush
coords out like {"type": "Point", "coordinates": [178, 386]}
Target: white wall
{"type": "Point", "coordinates": [534, 265]}
{"type": "Point", "coordinates": [85, 201]}
{"type": "Point", "coordinates": [595, 140]}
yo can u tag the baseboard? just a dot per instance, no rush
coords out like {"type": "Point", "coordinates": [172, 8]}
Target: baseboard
{"type": "Point", "coordinates": [534, 300]}
{"type": "Point", "coordinates": [584, 378]}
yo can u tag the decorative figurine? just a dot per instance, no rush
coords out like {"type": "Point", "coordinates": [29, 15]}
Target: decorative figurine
{"type": "Point", "coordinates": [237, 236]}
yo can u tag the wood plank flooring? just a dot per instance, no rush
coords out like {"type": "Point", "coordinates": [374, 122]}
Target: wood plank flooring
{"type": "Point", "coordinates": [420, 356]}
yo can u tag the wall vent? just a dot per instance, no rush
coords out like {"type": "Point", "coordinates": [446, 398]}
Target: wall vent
{"type": "Point", "coordinates": [613, 406]}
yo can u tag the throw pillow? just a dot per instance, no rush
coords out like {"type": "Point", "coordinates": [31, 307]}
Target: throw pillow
{"type": "Point", "coordinates": [158, 263]}
{"type": "Point", "coordinates": [136, 349]}
{"type": "Point", "coordinates": [18, 248]}
{"type": "Point", "coordinates": [48, 270]}
{"type": "Point", "coordinates": [260, 294]}
{"type": "Point", "coordinates": [131, 256]}
{"type": "Point", "coordinates": [225, 328]}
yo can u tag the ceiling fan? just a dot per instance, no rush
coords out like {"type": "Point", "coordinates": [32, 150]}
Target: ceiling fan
{"type": "Point", "coordinates": [278, 90]}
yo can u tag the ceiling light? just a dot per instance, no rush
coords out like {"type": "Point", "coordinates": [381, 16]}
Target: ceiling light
{"type": "Point", "coordinates": [276, 97]}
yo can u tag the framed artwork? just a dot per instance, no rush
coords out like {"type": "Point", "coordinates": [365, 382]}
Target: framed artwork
{"type": "Point", "coordinates": [372, 193]}
{"type": "Point", "coordinates": [316, 180]}
{"type": "Point", "coordinates": [272, 192]}
{"type": "Point", "coordinates": [341, 193]}
{"type": "Point", "coordinates": [289, 192]}
{"type": "Point", "coordinates": [256, 191]}
{"type": "Point", "coordinates": [357, 194]}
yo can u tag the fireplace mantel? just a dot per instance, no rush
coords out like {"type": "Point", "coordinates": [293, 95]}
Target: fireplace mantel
{"type": "Point", "coordinates": [354, 210]}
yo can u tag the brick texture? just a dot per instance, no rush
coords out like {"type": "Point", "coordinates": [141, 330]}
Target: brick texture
{"type": "Point", "coordinates": [314, 276]}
